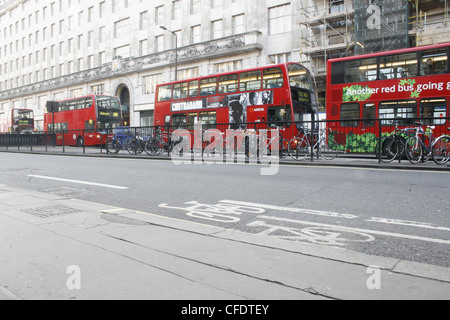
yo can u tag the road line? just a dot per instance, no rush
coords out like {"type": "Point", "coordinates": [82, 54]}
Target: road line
{"type": "Point", "coordinates": [407, 223]}
{"type": "Point", "coordinates": [288, 209]}
{"type": "Point", "coordinates": [388, 234]}
{"type": "Point", "coordinates": [110, 186]}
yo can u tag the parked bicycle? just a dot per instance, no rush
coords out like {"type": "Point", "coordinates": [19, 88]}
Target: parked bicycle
{"type": "Point", "coordinates": [393, 146]}
{"type": "Point", "coordinates": [441, 149]}
{"type": "Point", "coordinates": [323, 145]}
{"type": "Point", "coordinates": [419, 147]}
{"type": "Point", "coordinates": [161, 142]}
{"type": "Point", "coordinates": [123, 139]}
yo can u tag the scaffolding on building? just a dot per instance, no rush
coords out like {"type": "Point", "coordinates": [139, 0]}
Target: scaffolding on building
{"type": "Point", "coordinates": [429, 21]}
{"type": "Point", "coordinates": [327, 32]}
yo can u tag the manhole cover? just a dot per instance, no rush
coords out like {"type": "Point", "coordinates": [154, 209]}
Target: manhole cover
{"type": "Point", "coordinates": [52, 211]}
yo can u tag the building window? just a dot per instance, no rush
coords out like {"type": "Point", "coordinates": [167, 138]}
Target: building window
{"type": "Point", "coordinates": [196, 6]}
{"type": "Point", "coordinates": [122, 28]}
{"type": "Point", "coordinates": [122, 52]}
{"type": "Point", "coordinates": [280, 19]}
{"type": "Point", "coordinates": [149, 83]}
{"type": "Point", "coordinates": [159, 43]}
{"type": "Point", "coordinates": [239, 24]}
{"type": "Point", "coordinates": [143, 20]}
{"type": "Point", "coordinates": [196, 34]}
{"type": "Point", "coordinates": [228, 66]}
{"type": "Point", "coordinates": [217, 29]}
{"type": "Point", "coordinates": [159, 16]}
{"type": "Point", "coordinates": [176, 10]}
{"type": "Point", "coordinates": [280, 58]}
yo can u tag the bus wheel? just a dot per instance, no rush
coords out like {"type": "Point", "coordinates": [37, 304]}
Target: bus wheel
{"type": "Point", "coordinates": [80, 142]}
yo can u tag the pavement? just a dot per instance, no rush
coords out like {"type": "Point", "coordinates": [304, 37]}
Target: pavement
{"type": "Point", "coordinates": [54, 247]}
{"type": "Point", "coordinates": [343, 160]}
{"type": "Point", "coordinates": [57, 248]}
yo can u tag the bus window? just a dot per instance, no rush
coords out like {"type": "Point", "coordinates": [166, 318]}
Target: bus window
{"type": "Point", "coordinates": [167, 120]}
{"type": "Point", "coordinates": [361, 70]}
{"type": "Point", "coordinates": [338, 72]}
{"type": "Point", "coordinates": [208, 87]}
{"type": "Point", "coordinates": [228, 84]}
{"type": "Point", "coordinates": [192, 120]}
{"type": "Point", "coordinates": [179, 121]}
{"type": "Point", "coordinates": [180, 90]}
{"type": "Point", "coordinates": [272, 78]}
{"type": "Point", "coordinates": [278, 115]}
{"type": "Point", "coordinates": [434, 62]}
{"type": "Point", "coordinates": [89, 125]}
{"type": "Point", "coordinates": [433, 111]}
{"type": "Point", "coordinates": [250, 81]}
{"type": "Point", "coordinates": [208, 119]}
{"type": "Point", "coordinates": [90, 101]}
{"type": "Point", "coordinates": [349, 113]}
{"type": "Point", "coordinates": [165, 93]}
{"type": "Point", "coordinates": [398, 112]}
{"type": "Point", "coordinates": [398, 66]}
{"type": "Point", "coordinates": [299, 77]}
{"type": "Point", "coordinates": [369, 114]}
{"type": "Point", "coordinates": [193, 89]}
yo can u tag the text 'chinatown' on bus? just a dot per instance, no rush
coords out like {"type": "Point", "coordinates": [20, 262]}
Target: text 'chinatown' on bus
{"type": "Point", "coordinates": [83, 121]}
{"type": "Point", "coordinates": [280, 96]}
{"type": "Point", "coordinates": [374, 93]}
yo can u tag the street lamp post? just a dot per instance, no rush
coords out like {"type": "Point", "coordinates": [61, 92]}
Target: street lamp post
{"type": "Point", "coordinates": [176, 50]}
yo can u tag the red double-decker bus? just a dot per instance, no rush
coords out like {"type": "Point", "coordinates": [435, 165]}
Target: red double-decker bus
{"type": "Point", "coordinates": [391, 88]}
{"type": "Point", "coordinates": [82, 121]}
{"type": "Point", "coordinates": [275, 95]}
{"type": "Point", "coordinates": [17, 121]}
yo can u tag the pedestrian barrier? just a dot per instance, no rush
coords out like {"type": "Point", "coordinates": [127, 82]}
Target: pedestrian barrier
{"type": "Point", "coordinates": [381, 139]}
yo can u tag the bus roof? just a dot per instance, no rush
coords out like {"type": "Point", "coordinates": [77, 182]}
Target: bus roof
{"type": "Point", "coordinates": [392, 52]}
{"type": "Point", "coordinates": [232, 72]}
{"type": "Point", "coordinates": [87, 96]}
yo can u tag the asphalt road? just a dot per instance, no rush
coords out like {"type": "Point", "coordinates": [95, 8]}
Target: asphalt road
{"type": "Point", "coordinates": [397, 214]}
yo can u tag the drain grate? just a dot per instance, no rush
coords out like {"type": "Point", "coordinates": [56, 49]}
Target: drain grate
{"type": "Point", "coordinates": [52, 211]}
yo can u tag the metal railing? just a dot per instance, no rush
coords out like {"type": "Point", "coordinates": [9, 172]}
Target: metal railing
{"type": "Point", "coordinates": [361, 137]}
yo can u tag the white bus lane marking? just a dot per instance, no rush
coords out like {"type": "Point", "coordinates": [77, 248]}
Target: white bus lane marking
{"type": "Point", "coordinates": [110, 186]}
{"type": "Point", "coordinates": [230, 211]}
{"type": "Point", "coordinates": [220, 212]}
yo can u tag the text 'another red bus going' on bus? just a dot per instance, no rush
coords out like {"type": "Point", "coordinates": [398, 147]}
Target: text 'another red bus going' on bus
{"type": "Point", "coordinates": [82, 121]}
{"type": "Point", "coordinates": [373, 93]}
{"type": "Point", "coordinates": [17, 121]}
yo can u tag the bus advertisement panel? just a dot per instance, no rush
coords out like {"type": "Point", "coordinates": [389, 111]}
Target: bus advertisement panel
{"type": "Point", "coordinates": [17, 121]}
{"type": "Point", "coordinates": [399, 87]}
{"type": "Point", "coordinates": [83, 121]}
{"type": "Point", "coordinates": [274, 96]}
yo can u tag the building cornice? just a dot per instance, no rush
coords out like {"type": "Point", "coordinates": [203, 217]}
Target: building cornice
{"type": "Point", "coordinates": [120, 67]}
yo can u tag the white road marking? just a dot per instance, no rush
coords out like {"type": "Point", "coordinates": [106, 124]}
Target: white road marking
{"type": "Point", "coordinates": [79, 182]}
{"type": "Point", "coordinates": [408, 223]}
{"type": "Point", "coordinates": [296, 210]}
{"type": "Point", "coordinates": [368, 231]}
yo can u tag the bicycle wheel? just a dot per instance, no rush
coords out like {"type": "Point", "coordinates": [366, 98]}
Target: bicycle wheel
{"type": "Point", "coordinates": [441, 150]}
{"type": "Point", "coordinates": [328, 149]}
{"type": "Point", "coordinates": [414, 150]}
{"type": "Point", "coordinates": [299, 148]}
{"type": "Point", "coordinates": [134, 146]}
{"type": "Point", "coordinates": [389, 150]}
{"type": "Point", "coordinates": [153, 147]}
{"type": "Point", "coordinates": [112, 146]}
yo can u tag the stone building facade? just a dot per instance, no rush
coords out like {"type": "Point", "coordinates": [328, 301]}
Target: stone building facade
{"type": "Point", "coordinates": [58, 49]}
